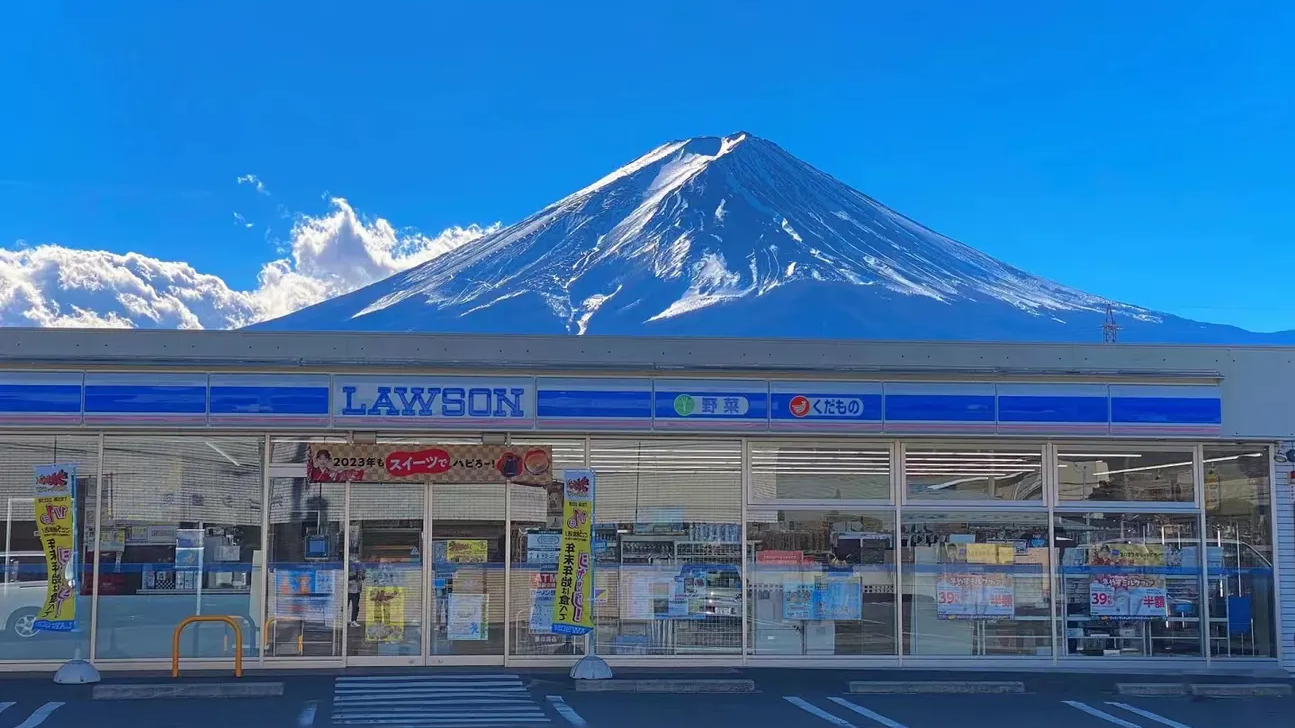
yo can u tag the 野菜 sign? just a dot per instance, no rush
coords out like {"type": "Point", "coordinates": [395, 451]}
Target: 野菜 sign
{"type": "Point", "coordinates": [377, 463]}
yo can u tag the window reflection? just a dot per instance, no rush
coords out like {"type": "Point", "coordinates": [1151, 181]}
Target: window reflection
{"type": "Point", "coordinates": [976, 584]}
{"type": "Point", "coordinates": [1131, 583]}
{"type": "Point", "coordinates": [1114, 475]}
{"type": "Point", "coordinates": [1238, 527]}
{"type": "Point", "coordinates": [816, 472]}
{"type": "Point", "coordinates": [821, 582]}
{"type": "Point", "coordinates": [667, 547]}
{"type": "Point", "coordinates": [980, 474]}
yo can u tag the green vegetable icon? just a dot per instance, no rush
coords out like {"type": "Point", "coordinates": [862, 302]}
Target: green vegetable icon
{"type": "Point", "coordinates": [685, 405]}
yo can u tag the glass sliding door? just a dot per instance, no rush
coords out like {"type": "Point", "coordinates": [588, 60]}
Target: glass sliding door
{"type": "Point", "coordinates": [306, 604]}
{"type": "Point", "coordinates": [469, 563]}
{"type": "Point", "coordinates": [385, 584]}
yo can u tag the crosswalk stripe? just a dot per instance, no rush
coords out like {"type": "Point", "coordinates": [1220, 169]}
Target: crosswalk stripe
{"type": "Point", "coordinates": [434, 701]}
{"type": "Point", "coordinates": [815, 710]}
{"type": "Point", "coordinates": [39, 715]}
{"type": "Point", "coordinates": [533, 711]}
{"type": "Point", "coordinates": [1150, 716]}
{"type": "Point", "coordinates": [566, 711]}
{"type": "Point", "coordinates": [421, 691]}
{"type": "Point", "coordinates": [411, 678]}
{"type": "Point", "coordinates": [440, 720]}
{"type": "Point", "coordinates": [867, 713]}
{"type": "Point", "coordinates": [1100, 714]}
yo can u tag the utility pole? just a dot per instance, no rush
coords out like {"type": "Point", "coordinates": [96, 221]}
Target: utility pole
{"type": "Point", "coordinates": [1110, 331]}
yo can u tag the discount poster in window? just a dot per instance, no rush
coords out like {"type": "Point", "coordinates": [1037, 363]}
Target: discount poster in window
{"type": "Point", "coordinates": [974, 595]}
{"type": "Point", "coordinates": [1128, 596]}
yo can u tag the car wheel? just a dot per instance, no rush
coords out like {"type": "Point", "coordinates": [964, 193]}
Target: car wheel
{"type": "Point", "coordinates": [22, 623]}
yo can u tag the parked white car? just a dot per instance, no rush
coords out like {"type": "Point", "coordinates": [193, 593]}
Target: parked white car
{"type": "Point", "coordinates": [22, 593]}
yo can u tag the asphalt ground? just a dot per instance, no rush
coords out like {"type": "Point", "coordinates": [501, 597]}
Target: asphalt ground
{"type": "Point", "coordinates": [501, 698]}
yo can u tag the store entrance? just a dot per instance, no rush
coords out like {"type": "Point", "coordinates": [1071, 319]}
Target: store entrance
{"type": "Point", "coordinates": [425, 574]}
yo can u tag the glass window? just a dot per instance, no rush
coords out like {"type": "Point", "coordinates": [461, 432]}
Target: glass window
{"type": "Point", "coordinates": [817, 472]}
{"type": "Point", "coordinates": [1131, 584]}
{"type": "Point", "coordinates": [976, 584]}
{"type": "Point", "coordinates": [1099, 474]}
{"type": "Point", "coordinates": [668, 551]}
{"type": "Point", "coordinates": [943, 473]}
{"type": "Point", "coordinates": [181, 535]}
{"type": "Point", "coordinates": [305, 603]}
{"type": "Point", "coordinates": [537, 532]}
{"type": "Point", "coordinates": [1238, 535]}
{"type": "Point", "coordinates": [25, 584]}
{"type": "Point", "coordinates": [821, 582]}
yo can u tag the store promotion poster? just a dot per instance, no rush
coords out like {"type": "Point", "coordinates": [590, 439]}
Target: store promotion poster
{"type": "Point", "coordinates": [461, 551]}
{"type": "Point", "coordinates": [821, 597]}
{"type": "Point", "coordinates": [385, 614]}
{"type": "Point", "coordinates": [340, 462]}
{"type": "Point", "coordinates": [55, 510]}
{"type": "Point", "coordinates": [1128, 596]}
{"type": "Point", "coordinates": [974, 595]}
{"type": "Point", "coordinates": [573, 608]}
{"type": "Point", "coordinates": [544, 593]}
{"type": "Point", "coordinates": [466, 617]}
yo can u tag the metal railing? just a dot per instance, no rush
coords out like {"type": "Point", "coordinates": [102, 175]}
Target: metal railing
{"type": "Point", "coordinates": [238, 641]}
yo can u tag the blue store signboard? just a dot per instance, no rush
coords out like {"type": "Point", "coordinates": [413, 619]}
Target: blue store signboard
{"type": "Point", "coordinates": [828, 406]}
{"type": "Point", "coordinates": [710, 404]}
{"type": "Point", "coordinates": [419, 402]}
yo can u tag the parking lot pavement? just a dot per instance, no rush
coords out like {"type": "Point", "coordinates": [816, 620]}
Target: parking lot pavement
{"type": "Point", "coordinates": [756, 710]}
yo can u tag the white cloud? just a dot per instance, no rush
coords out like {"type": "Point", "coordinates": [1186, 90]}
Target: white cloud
{"type": "Point", "coordinates": [332, 254]}
{"type": "Point", "coordinates": [257, 184]}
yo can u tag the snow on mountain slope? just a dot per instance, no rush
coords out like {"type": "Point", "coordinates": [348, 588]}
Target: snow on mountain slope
{"type": "Point", "coordinates": [733, 236]}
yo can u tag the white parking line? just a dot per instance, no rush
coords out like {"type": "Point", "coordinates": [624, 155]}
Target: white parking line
{"type": "Point", "coordinates": [867, 713]}
{"type": "Point", "coordinates": [1150, 716]}
{"type": "Point", "coordinates": [1100, 714]}
{"type": "Point", "coordinates": [814, 710]}
{"type": "Point", "coordinates": [39, 716]}
{"type": "Point", "coordinates": [566, 711]}
{"type": "Point", "coordinates": [308, 710]}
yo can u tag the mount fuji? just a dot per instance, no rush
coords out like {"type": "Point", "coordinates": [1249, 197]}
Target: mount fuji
{"type": "Point", "coordinates": [733, 236]}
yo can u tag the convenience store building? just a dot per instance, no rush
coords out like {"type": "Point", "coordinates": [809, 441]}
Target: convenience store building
{"type": "Point", "coordinates": [756, 502]}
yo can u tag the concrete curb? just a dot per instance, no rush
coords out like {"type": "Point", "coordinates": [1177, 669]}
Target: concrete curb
{"type": "Point", "coordinates": [1151, 690]}
{"type": "Point", "coordinates": [145, 691]}
{"type": "Point", "coordinates": [665, 686]}
{"type": "Point", "coordinates": [1242, 690]}
{"type": "Point", "coordinates": [936, 687]}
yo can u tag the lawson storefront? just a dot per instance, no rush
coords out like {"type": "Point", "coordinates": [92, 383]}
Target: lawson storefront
{"type": "Point", "coordinates": [756, 502]}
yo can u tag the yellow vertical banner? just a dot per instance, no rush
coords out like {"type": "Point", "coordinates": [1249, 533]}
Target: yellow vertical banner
{"type": "Point", "coordinates": [573, 605]}
{"type": "Point", "coordinates": [55, 511]}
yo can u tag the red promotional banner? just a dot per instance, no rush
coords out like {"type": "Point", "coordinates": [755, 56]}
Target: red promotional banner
{"type": "Point", "coordinates": [375, 463]}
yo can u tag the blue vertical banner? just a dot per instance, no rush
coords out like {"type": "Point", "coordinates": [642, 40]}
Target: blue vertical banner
{"type": "Point", "coordinates": [573, 611]}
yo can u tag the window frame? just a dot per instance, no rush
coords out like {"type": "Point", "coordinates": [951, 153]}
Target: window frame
{"type": "Point", "coordinates": [892, 448]}
{"type": "Point", "coordinates": [1195, 505]}
{"type": "Point", "coordinates": [1046, 474]}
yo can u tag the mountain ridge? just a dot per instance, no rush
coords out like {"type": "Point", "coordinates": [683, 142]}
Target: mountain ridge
{"type": "Point", "coordinates": [734, 235]}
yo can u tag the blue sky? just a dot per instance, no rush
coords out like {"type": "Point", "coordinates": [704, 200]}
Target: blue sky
{"type": "Point", "coordinates": [1143, 151]}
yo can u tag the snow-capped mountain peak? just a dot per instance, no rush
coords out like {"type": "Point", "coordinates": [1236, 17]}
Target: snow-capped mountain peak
{"type": "Point", "coordinates": [728, 236]}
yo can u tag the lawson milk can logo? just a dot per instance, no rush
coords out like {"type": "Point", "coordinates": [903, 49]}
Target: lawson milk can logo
{"type": "Point", "coordinates": [433, 402]}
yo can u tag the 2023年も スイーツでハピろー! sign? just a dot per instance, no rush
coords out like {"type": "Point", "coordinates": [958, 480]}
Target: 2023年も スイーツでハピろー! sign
{"type": "Point", "coordinates": [429, 463]}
